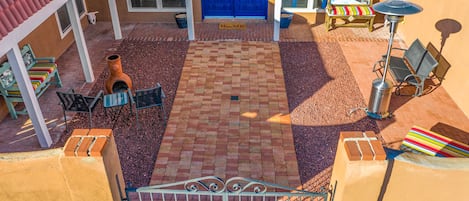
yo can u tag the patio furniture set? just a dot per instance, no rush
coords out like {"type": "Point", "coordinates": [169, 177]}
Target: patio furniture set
{"type": "Point", "coordinates": [412, 68]}
{"type": "Point", "coordinates": [143, 98]}
{"type": "Point", "coordinates": [41, 70]}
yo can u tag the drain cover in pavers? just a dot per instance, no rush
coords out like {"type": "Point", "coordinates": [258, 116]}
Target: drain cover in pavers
{"type": "Point", "coordinates": [234, 98]}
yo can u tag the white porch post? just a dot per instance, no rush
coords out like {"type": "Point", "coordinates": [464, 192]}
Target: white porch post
{"type": "Point", "coordinates": [277, 12]}
{"type": "Point", "coordinates": [30, 100]}
{"type": "Point", "coordinates": [115, 19]}
{"type": "Point", "coordinates": [190, 20]}
{"type": "Point", "coordinates": [80, 40]}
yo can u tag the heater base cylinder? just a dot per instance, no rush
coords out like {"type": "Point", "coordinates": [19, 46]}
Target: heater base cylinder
{"type": "Point", "coordinates": [380, 97]}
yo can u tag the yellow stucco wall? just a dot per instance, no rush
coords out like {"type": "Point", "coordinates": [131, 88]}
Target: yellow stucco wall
{"type": "Point", "coordinates": [84, 171]}
{"type": "Point", "coordinates": [356, 180]}
{"type": "Point", "coordinates": [130, 17]}
{"type": "Point", "coordinates": [102, 7]}
{"type": "Point", "coordinates": [409, 177]}
{"type": "Point", "coordinates": [46, 41]}
{"type": "Point", "coordinates": [427, 178]}
{"type": "Point", "coordinates": [423, 26]}
{"type": "Point", "coordinates": [414, 177]}
{"type": "Point", "coordinates": [49, 175]}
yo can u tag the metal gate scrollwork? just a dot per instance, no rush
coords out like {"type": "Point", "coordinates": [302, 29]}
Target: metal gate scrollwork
{"type": "Point", "coordinates": [215, 188]}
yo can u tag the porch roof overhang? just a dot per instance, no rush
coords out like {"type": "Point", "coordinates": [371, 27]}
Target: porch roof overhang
{"type": "Point", "coordinates": [16, 22]}
{"type": "Point", "coordinates": [18, 18]}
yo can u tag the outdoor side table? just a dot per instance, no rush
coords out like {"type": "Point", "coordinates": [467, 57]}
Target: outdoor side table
{"type": "Point", "coordinates": [115, 100]}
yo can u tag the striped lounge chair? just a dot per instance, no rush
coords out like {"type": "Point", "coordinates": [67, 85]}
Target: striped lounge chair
{"type": "Point", "coordinates": [433, 144]}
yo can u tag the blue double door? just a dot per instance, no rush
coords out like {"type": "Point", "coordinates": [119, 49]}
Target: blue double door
{"type": "Point", "coordinates": [234, 8]}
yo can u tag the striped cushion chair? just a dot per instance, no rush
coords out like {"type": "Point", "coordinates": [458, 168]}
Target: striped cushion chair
{"type": "Point", "coordinates": [352, 10]}
{"type": "Point", "coordinates": [353, 16]}
{"type": "Point", "coordinates": [36, 77]}
{"type": "Point", "coordinates": [433, 144]}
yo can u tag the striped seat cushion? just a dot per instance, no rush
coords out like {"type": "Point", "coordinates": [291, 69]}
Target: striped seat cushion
{"type": "Point", "coordinates": [351, 10]}
{"type": "Point", "coordinates": [14, 90]}
{"type": "Point", "coordinates": [36, 77]}
{"type": "Point", "coordinates": [45, 67]}
{"type": "Point", "coordinates": [434, 144]}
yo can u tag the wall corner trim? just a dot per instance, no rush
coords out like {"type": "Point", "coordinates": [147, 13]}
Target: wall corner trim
{"type": "Point", "coordinates": [362, 145]}
{"type": "Point", "coordinates": [87, 142]}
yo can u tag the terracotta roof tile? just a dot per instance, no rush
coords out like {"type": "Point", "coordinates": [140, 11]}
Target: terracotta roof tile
{"type": "Point", "coordinates": [15, 12]}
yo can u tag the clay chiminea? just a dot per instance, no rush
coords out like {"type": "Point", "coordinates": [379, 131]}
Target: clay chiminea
{"type": "Point", "coordinates": [118, 81]}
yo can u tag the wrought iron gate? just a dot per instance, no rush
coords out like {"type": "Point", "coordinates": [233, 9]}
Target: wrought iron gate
{"type": "Point", "coordinates": [216, 189]}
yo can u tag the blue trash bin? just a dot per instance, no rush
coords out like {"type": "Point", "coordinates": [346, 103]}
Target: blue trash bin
{"type": "Point", "coordinates": [181, 20]}
{"type": "Point", "coordinates": [285, 19]}
{"type": "Point", "coordinates": [324, 4]}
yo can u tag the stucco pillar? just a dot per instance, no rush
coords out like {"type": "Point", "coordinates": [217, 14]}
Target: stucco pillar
{"type": "Point", "coordinates": [190, 20]}
{"type": "Point", "coordinates": [359, 167]}
{"type": "Point", "coordinates": [87, 168]}
{"type": "Point", "coordinates": [93, 145]}
{"type": "Point", "coordinates": [29, 96]}
{"type": "Point", "coordinates": [80, 40]}
{"type": "Point", "coordinates": [277, 14]}
{"type": "Point", "coordinates": [115, 19]}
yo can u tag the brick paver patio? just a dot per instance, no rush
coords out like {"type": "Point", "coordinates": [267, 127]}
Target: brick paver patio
{"type": "Point", "coordinates": [230, 117]}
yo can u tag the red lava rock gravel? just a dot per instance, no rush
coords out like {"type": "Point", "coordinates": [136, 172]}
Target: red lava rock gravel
{"type": "Point", "coordinates": [320, 88]}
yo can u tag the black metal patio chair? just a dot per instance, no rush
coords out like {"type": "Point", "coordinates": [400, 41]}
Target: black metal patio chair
{"type": "Point", "coordinates": [151, 97]}
{"type": "Point", "coordinates": [74, 102]}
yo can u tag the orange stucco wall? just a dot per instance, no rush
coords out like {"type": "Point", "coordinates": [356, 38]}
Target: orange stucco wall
{"type": "Point", "coordinates": [48, 175]}
{"type": "Point", "coordinates": [129, 17]}
{"type": "Point", "coordinates": [45, 39]}
{"type": "Point", "coordinates": [55, 175]}
{"type": "Point", "coordinates": [125, 16]}
{"type": "Point", "coordinates": [410, 177]}
{"type": "Point", "coordinates": [356, 179]}
{"type": "Point", "coordinates": [423, 26]}
{"type": "Point", "coordinates": [426, 178]}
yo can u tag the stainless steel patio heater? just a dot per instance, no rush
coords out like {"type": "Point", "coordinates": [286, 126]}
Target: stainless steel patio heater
{"type": "Point", "coordinates": [381, 90]}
